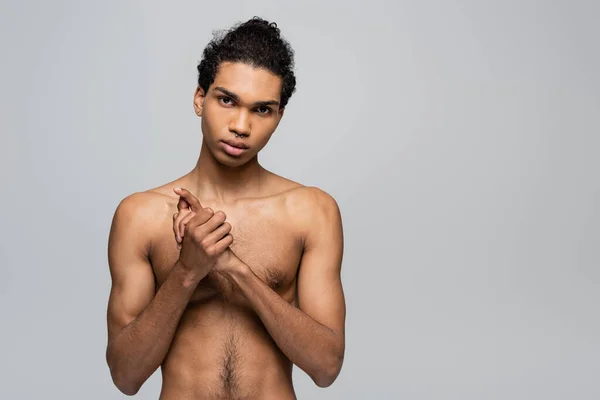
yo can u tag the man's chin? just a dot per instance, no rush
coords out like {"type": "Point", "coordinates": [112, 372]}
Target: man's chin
{"type": "Point", "coordinates": [230, 161]}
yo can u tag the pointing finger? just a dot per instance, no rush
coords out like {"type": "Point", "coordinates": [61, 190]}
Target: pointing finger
{"type": "Point", "coordinates": [189, 198]}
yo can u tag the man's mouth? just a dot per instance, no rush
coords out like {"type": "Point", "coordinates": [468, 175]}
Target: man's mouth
{"type": "Point", "coordinates": [233, 148]}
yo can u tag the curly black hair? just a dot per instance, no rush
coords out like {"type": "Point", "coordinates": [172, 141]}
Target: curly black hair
{"type": "Point", "coordinates": [256, 42]}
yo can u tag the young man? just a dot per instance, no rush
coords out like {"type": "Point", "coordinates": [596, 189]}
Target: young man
{"type": "Point", "coordinates": [229, 274]}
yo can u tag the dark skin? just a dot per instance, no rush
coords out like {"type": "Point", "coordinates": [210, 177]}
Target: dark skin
{"type": "Point", "coordinates": [225, 301]}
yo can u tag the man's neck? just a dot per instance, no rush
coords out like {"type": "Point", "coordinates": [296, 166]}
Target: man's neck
{"type": "Point", "coordinates": [213, 181]}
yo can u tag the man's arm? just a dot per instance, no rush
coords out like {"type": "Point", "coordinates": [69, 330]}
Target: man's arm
{"type": "Point", "coordinates": [141, 324]}
{"type": "Point", "coordinates": [311, 336]}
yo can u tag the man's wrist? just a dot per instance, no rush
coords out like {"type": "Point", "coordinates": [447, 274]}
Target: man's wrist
{"type": "Point", "coordinates": [188, 277]}
{"type": "Point", "coordinates": [238, 269]}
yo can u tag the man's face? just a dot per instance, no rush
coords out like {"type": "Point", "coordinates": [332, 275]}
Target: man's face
{"type": "Point", "coordinates": [241, 107]}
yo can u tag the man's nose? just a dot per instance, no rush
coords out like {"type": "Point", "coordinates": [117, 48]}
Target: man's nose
{"type": "Point", "coordinates": [240, 123]}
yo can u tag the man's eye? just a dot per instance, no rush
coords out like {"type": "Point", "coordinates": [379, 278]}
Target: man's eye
{"type": "Point", "coordinates": [226, 100]}
{"type": "Point", "coordinates": [263, 110]}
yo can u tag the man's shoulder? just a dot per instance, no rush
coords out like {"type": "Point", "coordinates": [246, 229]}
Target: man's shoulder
{"type": "Point", "coordinates": [310, 198]}
{"type": "Point", "coordinates": [309, 206]}
{"type": "Point", "coordinates": [297, 194]}
{"type": "Point", "coordinates": [143, 208]}
{"type": "Point", "coordinates": [301, 205]}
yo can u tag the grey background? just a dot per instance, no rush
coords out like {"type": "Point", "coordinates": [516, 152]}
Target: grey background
{"type": "Point", "coordinates": [460, 139]}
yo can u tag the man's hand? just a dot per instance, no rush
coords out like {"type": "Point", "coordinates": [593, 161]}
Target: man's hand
{"type": "Point", "coordinates": [203, 236]}
{"type": "Point", "coordinates": [183, 215]}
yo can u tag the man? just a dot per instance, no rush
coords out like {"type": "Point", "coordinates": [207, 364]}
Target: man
{"type": "Point", "coordinates": [229, 274]}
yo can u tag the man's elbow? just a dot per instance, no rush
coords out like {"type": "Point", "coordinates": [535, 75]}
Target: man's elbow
{"type": "Point", "coordinates": [120, 378]}
{"type": "Point", "coordinates": [328, 372]}
{"type": "Point", "coordinates": [125, 385]}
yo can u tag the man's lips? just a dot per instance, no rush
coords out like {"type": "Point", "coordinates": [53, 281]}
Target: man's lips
{"type": "Point", "coordinates": [236, 143]}
{"type": "Point", "coordinates": [233, 148]}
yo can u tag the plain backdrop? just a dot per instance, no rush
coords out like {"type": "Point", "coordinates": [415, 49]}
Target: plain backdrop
{"type": "Point", "coordinates": [460, 139]}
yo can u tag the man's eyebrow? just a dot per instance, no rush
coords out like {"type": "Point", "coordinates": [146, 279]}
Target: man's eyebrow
{"type": "Point", "coordinates": [228, 93]}
{"type": "Point", "coordinates": [267, 103]}
{"type": "Point", "coordinates": [237, 98]}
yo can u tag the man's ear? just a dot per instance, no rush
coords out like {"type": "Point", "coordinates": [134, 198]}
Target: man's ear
{"type": "Point", "coordinates": [199, 101]}
{"type": "Point", "coordinates": [281, 110]}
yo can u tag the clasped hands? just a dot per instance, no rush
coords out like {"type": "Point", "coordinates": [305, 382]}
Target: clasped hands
{"type": "Point", "coordinates": [203, 237]}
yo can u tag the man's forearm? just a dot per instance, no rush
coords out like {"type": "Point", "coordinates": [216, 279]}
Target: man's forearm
{"type": "Point", "coordinates": [141, 346]}
{"type": "Point", "coordinates": [313, 347]}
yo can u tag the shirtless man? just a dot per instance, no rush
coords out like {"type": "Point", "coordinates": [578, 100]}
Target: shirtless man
{"type": "Point", "coordinates": [230, 274]}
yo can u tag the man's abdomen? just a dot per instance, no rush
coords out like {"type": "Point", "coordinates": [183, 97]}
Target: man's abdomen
{"type": "Point", "coordinates": [223, 351]}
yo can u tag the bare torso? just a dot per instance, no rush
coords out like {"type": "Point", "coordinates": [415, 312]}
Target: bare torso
{"type": "Point", "coordinates": [221, 349]}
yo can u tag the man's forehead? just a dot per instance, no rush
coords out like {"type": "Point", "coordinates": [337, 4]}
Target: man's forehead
{"type": "Point", "coordinates": [250, 83]}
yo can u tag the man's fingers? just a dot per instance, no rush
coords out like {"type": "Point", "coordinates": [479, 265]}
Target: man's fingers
{"type": "Point", "coordinates": [213, 223]}
{"type": "Point", "coordinates": [200, 218]}
{"type": "Point", "coordinates": [177, 218]}
{"type": "Point", "coordinates": [219, 233]}
{"type": "Point", "coordinates": [189, 198]}
{"type": "Point", "coordinates": [182, 204]}
{"type": "Point", "coordinates": [224, 243]}
{"type": "Point", "coordinates": [184, 222]}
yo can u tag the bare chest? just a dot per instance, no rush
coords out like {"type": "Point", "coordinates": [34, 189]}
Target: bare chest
{"type": "Point", "coordinates": [264, 239]}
